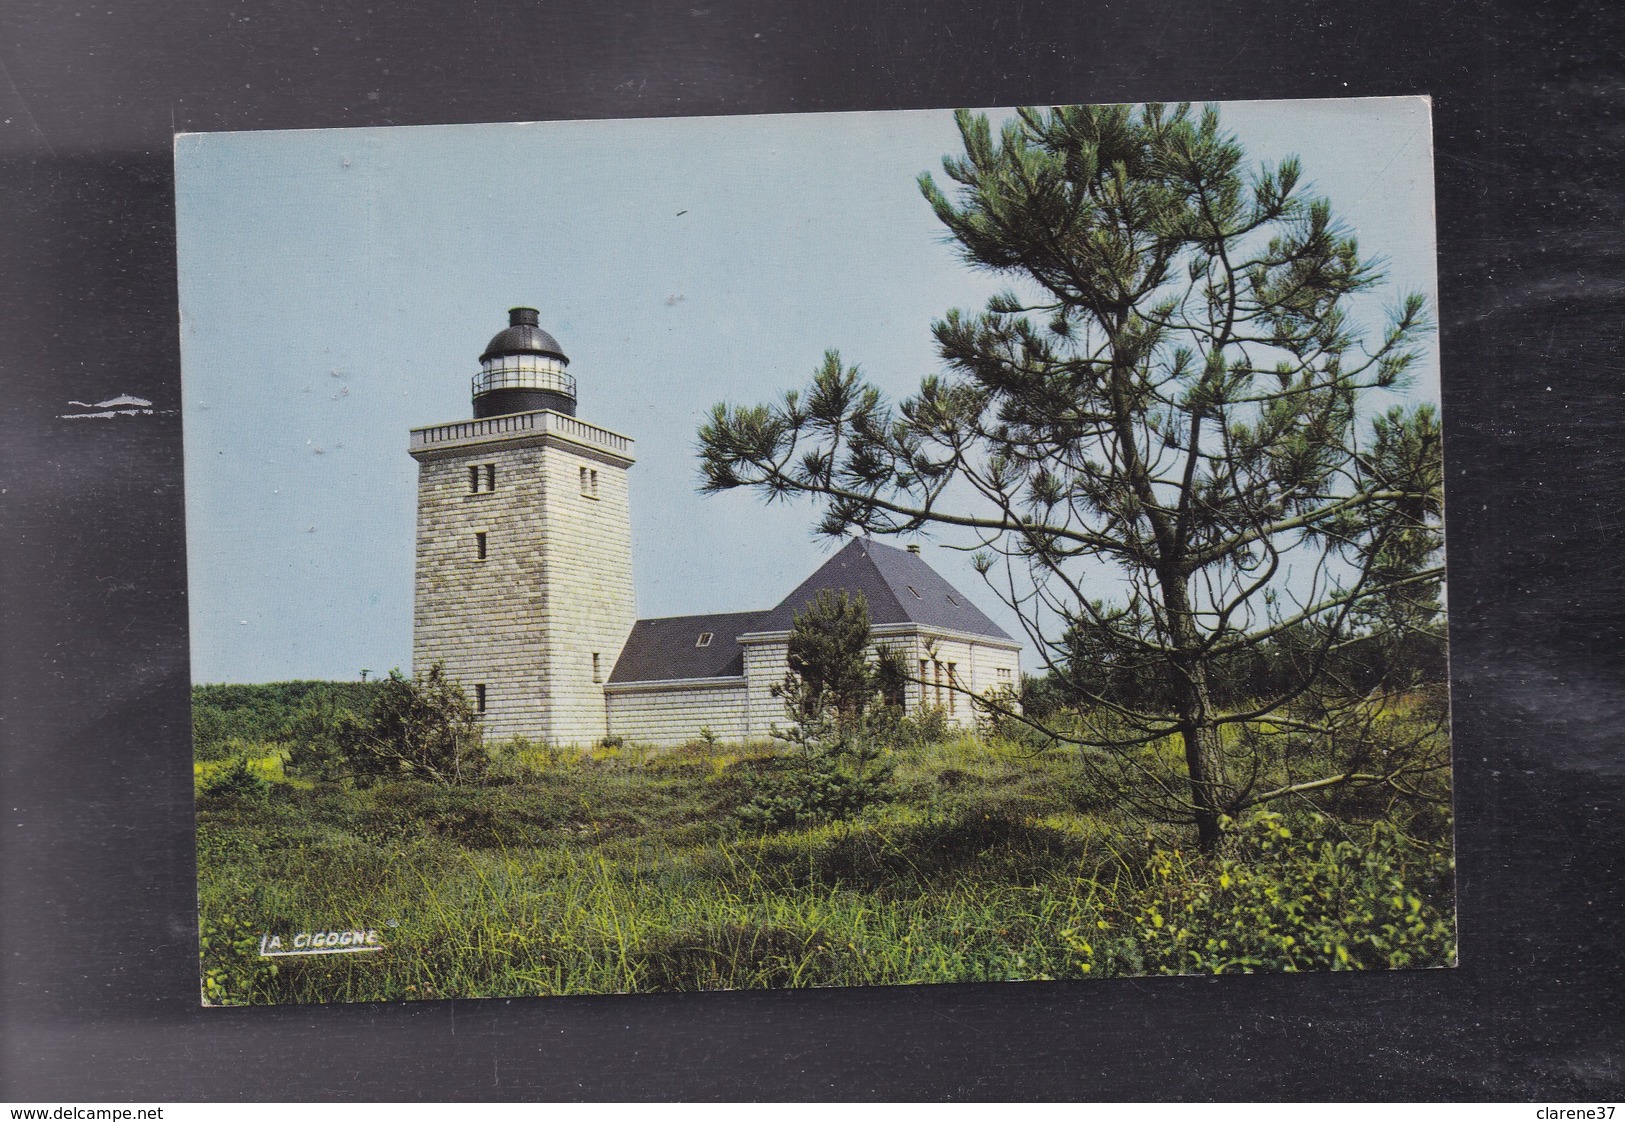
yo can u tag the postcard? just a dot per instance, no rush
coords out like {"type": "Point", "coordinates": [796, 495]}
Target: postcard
{"type": "Point", "coordinates": [815, 550]}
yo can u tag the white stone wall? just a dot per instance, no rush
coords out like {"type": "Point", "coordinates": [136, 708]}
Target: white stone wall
{"type": "Point", "coordinates": [554, 589]}
{"type": "Point", "coordinates": [765, 666]}
{"type": "Point", "coordinates": [667, 717]}
{"type": "Point", "coordinates": [976, 666]}
{"type": "Point", "coordinates": [587, 575]}
{"type": "Point", "coordinates": [941, 661]}
{"type": "Point", "coordinates": [483, 619]}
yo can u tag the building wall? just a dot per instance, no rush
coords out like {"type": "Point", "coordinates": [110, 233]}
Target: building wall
{"type": "Point", "coordinates": [483, 619]}
{"type": "Point", "coordinates": [979, 667]}
{"type": "Point", "coordinates": [554, 588]}
{"type": "Point", "coordinates": [664, 718]}
{"type": "Point", "coordinates": [765, 666]}
{"type": "Point", "coordinates": [587, 574]}
{"type": "Point", "coordinates": [939, 662]}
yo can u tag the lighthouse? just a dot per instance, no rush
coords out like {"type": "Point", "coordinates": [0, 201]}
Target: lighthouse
{"type": "Point", "coordinates": [523, 585]}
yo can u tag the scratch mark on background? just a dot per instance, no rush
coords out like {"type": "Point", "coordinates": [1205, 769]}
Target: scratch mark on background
{"type": "Point", "coordinates": [123, 405]}
{"type": "Point", "coordinates": [29, 112]}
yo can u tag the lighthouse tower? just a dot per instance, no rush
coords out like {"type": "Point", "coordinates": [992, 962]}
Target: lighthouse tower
{"type": "Point", "coordinates": [524, 546]}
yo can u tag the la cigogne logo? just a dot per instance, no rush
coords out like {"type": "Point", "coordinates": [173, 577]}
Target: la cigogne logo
{"type": "Point", "coordinates": [352, 940]}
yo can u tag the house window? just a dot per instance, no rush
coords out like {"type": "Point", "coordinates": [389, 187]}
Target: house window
{"type": "Point", "coordinates": [597, 674]}
{"type": "Point", "coordinates": [953, 680]}
{"type": "Point", "coordinates": [914, 590]}
{"type": "Point", "coordinates": [704, 640]}
{"type": "Point", "coordinates": [925, 679]}
{"type": "Point", "coordinates": [479, 698]}
{"type": "Point", "coordinates": [479, 546]}
{"type": "Point", "coordinates": [1004, 674]}
{"type": "Point", "coordinates": [936, 672]}
{"type": "Point", "coordinates": [952, 601]}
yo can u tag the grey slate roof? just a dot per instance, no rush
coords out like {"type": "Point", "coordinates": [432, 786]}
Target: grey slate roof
{"type": "Point", "coordinates": [666, 649]}
{"type": "Point", "coordinates": [898, 585]}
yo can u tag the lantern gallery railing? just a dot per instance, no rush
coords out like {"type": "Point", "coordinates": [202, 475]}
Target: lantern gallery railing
{"type": "Point", "coordinates": [524, 374]}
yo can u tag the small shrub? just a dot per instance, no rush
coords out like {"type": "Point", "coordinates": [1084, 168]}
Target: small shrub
{"type": "Point", "coordinates": [817, 792]}
{"type": "Point", "coordinates": [423, 727]}
{"type": "Point", "coordinates": [239, 782]}
{"type": "Point", "coordinates": [1289, 897]}
{"type": "Point", "coordinates": [925, 727]}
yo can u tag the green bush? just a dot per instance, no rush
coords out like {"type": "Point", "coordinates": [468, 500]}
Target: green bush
{"type": "Point", "coordinates": [422, 726]}
{"type": "Point", "coordinates": [233, 971]}
{"type": "Point", "coordinates": [1285, 895]}
{"type": "Point", "coordinates": [225, 716]}
{"type": "Point", "coordinates": [925, 727]}
{"type": "Point", "coordinates": [818, 791]}
{"type": "Point", "coordinates": [238, 782]}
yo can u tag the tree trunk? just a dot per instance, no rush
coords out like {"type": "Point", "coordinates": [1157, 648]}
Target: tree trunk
{"type": "Point", "coordinates": [1203, 762]}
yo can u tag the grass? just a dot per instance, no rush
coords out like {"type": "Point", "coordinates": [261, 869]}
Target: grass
{"type": "Point", "coordinates": [625, 871]}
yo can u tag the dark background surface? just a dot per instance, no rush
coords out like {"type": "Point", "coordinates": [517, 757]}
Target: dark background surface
{"type": "Point", "coordinates": [98, 975]}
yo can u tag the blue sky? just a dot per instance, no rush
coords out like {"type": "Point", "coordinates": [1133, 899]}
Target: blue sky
{"type": "Point", "coordinates": [337, 287]}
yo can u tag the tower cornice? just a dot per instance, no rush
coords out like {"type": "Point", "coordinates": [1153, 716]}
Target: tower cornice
{"type": "Point", "coordinates": [517, 429]}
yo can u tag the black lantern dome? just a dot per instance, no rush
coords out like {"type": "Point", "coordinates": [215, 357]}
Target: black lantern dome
{"type": "Point", "coordinates": [523, 370]}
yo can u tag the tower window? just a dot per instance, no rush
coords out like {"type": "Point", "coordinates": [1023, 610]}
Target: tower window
{"type": "Point", "coordinates": [473, 479]}
{"type": "Point", "coordinates": [479, 698]}
{"type": "Point", "coordinates": [490, 477]}
{"type": "Point", "coordinates": [597, 673]}
{"type": "Point", "coordinates": [479, 546]}
{"type": "Point", "coordinates": [704, 640]}
{"type": "Point", "coordinates": [478, 473]}
{"type": "Point", "coordinates": [589, 483]}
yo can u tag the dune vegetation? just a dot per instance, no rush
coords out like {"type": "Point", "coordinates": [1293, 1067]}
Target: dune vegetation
{"type": "Point", "coordinates": [958, 857]}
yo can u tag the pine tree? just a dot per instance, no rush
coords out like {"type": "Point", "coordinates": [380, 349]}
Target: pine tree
{"type": "Point", "coordinates": [1170, 392]}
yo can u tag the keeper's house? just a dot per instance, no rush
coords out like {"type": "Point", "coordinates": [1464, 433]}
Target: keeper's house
{"type": "Point", "coordinates": [524, 584]}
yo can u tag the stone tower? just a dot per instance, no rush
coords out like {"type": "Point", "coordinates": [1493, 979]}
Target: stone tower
{"type": "Point", "coordinates": [524, 546]}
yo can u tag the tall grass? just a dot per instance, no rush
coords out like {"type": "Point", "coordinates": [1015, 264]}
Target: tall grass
{"type": "Point", "coordinates": [619, 871]}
